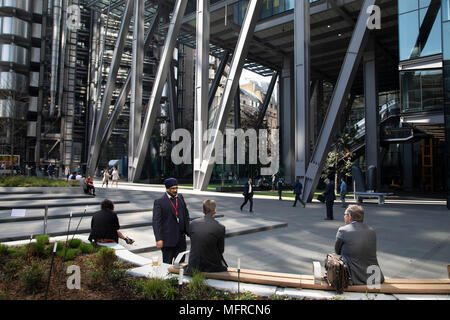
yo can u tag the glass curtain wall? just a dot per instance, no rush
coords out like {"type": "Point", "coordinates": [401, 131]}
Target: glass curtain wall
{"type": "Point", "coordinates": [446, 68]}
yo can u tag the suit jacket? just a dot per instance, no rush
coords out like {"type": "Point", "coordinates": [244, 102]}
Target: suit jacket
{"type": "Point", "coordinates": [207, 246]}
{"type": "Point", "coordinates": [357, 243]}
{"type": "Point", "coordinates": [329, 192]}
{"type": "Point", "coordinates": [246, 189]}
{"type": "Point", "coordinates": [165, 224]}
{"type": "Point", "coordinates": [298, 187]}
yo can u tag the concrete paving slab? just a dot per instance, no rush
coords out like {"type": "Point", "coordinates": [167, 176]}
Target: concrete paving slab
{"type": "Point", "coordinates": [421, 297]}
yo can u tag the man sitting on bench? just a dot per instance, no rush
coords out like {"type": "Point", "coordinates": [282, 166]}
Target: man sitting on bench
{"type": "Point", "coordinates": [357, 243]}
{"type": "Point", "coordinates": [207, 242]}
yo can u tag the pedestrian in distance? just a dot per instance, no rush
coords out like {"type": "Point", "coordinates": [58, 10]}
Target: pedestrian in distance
{"type": "Point", "coordinates": [105, 178]}
{"type": "Point", "coordinates": [343, 192]}
{"type": "Point", "coordinates": [329, 198]}
{"type": "Point", "coordinates": [115, 177]}
{"type": "Point", "coordinates": [298, 191]}
{"type": "Point", "coordinates": [171, 222]}
{"type": "Point", "coordinates": [273, 181]}
{"type": "Point", "coordinates": [248, 194]}
{"type": "Point", "coordinates": [280, 188]}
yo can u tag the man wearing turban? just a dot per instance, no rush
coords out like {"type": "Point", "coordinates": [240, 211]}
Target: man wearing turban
{"type": "Point", "coordinates": [170, 222]}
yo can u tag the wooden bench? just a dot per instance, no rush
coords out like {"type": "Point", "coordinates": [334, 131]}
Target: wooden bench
{"type": "Point", "coordinates": [390, 286]}
{"type": "Point", "coordinates": [359, 196]}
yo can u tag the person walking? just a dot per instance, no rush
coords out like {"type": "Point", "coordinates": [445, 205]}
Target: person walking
{"type": "Point", "coordinates": [105, 178]}
{"type": "Point", "coordinates": [171, 222]}
{"type": "Point", "coordinates": [115, 178]}
{"type": "Point", "coordinates": [248, 194]}
{"type": "Point", "coordinates": [329, 198]}
{"type": "Point", "coordinates": [343, 192]}
{"type": "Point", "coordinates": [298, 191]}
{"type": "Point", "coordinates": [50, 170]}
{"type": "Point", "coordinates": [280, 188]}
{"type": "Point", "coordinates": [273, 181]}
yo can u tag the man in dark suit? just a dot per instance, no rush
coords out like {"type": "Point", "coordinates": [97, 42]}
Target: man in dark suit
{"type": "Point", "coordinates": [207, 242]}
{"type": "Point", "coordinates": [248, 194]}
{"type": "Point", "coordinates": [357, 243]}
{"type": "Point", "coordinates": [298, 191]}
{"type": "Point", "coordinates": [170, 222]}
{"type": "Point", "coordinates": [280, 188]}
{"type": "Point", "coordinates": [329, 198]}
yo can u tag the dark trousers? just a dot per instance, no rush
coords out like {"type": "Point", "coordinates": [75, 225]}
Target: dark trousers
{"type": "Point", "coordinates": [247, 199]}
{"type": "Point", "coordinates": [297, 197]}
{"type": "Point", "coordinates": [280, 191]}
{"type": "Point", "coordinates": [330, 205]}
{"type": "Point", "coordinates": [89, 188]}
{"type": "Point", "coordinates": [170, 253]}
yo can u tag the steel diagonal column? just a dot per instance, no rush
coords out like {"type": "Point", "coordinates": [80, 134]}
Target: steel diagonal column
{"type": "Point", "coordinates": [338, 100]}
{"type": "Point", "coordinates": [372, 114]}
{"type": "Point", "coordinates": [102, 117]}
{"type": "Point", "coordinates": [201, 87]}
{"type": "Point", "coordinates": [120, 102]}
{"type": "Point", "coordinates": [231, 85]}
{"type": "Point", "coordinates": [302, 86]}
{"type": "Point", "coordinates": [217, 77]}
{"type": "Point", "coordinates": [173, 103]}
{"type": "Point", "coordinates": [137, 69]}
{"type": "Point", "coordinates": [267, 98]}
{"type": "Point", "coordinates": [160, 80]}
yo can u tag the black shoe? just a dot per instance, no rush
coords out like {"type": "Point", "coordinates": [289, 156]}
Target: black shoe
{"type": "Point", "coordinates": [304, 206]}
{"type": "Point", "coordinates": [241, 208]}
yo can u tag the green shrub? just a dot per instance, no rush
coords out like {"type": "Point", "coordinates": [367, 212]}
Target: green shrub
{"type": "Point", "coordinates": [97, 277]}
{"type": "Point", "coordinates": [3, 250]}
{"type": "Point", "coordinates": [86, 248]}
{"type": "Point", "coordinates": [16, 252]}
{"type": "Point", "coordinates": [152, 289]}
{"type": "Point", "coordinates": [43, 238]}
{"type": "Point", "coordinates": [74, 243]}
{"type": "Point", "coordinates": [22, 181]}
{"type": "Point", "coordinates": [3, 295]}
{"type": "Point", "coordinates": [197, 286]}
{"type": "Point", "coordinates": [68, 253]}
{"type": "Point", "coordinates": [32, 277]}
{"type": "Point", "coordinates": [116, 275]}
{"type": "Point", "coordinates": [105, 259]}
{"type": "Point", "coordinates": [36, 249]}
{"type": "Point", "coordinates": [13, 266]}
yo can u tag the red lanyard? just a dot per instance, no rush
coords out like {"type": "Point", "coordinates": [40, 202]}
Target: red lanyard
{"type": "Point", "coordinates": [175, 207]}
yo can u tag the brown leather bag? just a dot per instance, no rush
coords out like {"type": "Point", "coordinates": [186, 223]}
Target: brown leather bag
{"type": "Point", "coordinates": [337, 274]}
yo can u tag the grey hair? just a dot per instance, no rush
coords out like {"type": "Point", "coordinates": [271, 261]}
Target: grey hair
{"type": "Point", "coordinates": [356, 212]}
{"type": "Point", "coordinates": [327, 180]}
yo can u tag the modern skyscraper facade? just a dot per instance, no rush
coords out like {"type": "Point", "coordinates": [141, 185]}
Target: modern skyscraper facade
{"type": "Point", "coordinates": [85, 82]}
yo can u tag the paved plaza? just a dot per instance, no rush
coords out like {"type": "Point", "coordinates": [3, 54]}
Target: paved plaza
{"type": "Point", "coordinates": [413, 235]}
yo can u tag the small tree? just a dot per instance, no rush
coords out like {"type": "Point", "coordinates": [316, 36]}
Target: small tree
{"type": "Point", "coordinates": [340, 159]}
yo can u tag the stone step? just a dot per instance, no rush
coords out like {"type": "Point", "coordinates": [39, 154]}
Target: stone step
{"type": "Point", "coordinates": [45, 197]}
{"type": "Point", "coordinates": [145, 239]}
{"type": "Point", "coordinates": [14, 231]}
{"type": "Point", "coordinates": [36, 204]}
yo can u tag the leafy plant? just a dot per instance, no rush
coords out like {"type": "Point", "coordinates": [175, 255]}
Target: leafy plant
{"type": "Point", "coordinates": [68, 253]}
{"type": "Point", "coordinates": [43, 238]}
{"type": "Point", "coordinates": [36, 249]}
{"type": "Point", "coordinates": [13, 266]}
{"type": "Point", "coordinates": [105, 259]}
{"type": "Point", "coordinates": [16, 252]}
{"type": "Point", "coordinates": [74, 243]}
{"type": "Point", "coordinates": [3, 295]}
{"type": "Point", "coordinates": [155, 289]}
{"type": "Point", "coordinates": [86, 248]}
{"type": "Point", "coordinates": [32, 277]}
{"type": "Point", "coordinates": [3, 250]}
{"type": "Point", "coordinates": [247, 295]}
{"type": "Point", "coordinates": [116, 275]}
{"type": "Point", "coordinates": [197, 286]}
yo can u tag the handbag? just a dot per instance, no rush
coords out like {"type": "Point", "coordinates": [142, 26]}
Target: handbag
{"type": "Point", "coordinates": [337, 274]}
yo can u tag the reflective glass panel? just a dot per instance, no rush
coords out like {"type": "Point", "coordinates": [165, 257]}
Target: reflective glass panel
{"type": "Point", "coordinates": [445, 10]}
{"type": "Point", "coordinates": [408, 33]}
{"type": "Point", "coordinates": [411, 93]}
{"type": "Point", "coordinates": [432, 91]}
{"type": "Point", "coordinates": [407, 5]}
{"type": "Point", "coordinates": [434, 42]}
